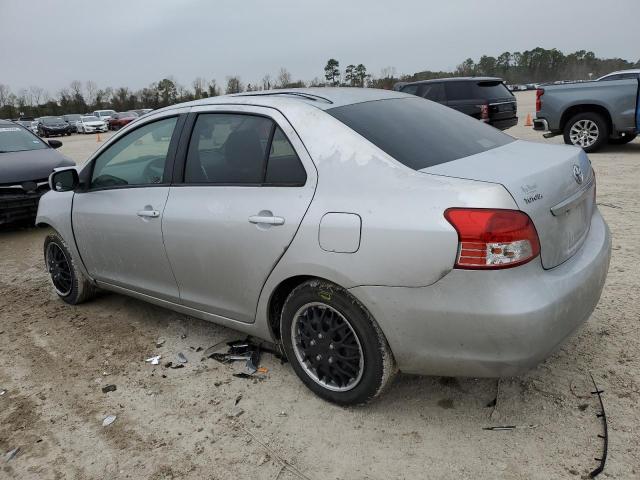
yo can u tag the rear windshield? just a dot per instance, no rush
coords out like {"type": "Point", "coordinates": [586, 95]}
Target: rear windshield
{"type": "Point", "coordinates": [419, 133]}
{"type": "Point", "coordinates": [473, 90]}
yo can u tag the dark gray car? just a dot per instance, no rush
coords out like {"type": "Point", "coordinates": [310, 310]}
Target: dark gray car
{"type": "Point", "coordinates": [25, 164]}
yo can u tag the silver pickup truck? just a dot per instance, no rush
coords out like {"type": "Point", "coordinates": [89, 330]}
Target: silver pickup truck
{"type": "Point", "coordinates": [589, 114]}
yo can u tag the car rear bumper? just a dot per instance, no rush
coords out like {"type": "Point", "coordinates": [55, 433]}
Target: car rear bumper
{"type": "Point", "coordinates": [491, 323]}
{"type": "Point", "coordinates": [19, 206]}
{"type": "Point", "coordinates": [540, 124]}
{"type": "Point", "coordinates": [504, 123]}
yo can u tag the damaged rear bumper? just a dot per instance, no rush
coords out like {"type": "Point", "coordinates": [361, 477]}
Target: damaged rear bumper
{"type": "Point", "coordinates": [491, 323]}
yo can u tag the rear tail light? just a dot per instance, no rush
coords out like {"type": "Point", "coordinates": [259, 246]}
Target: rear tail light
{"type": "Point", "coordinates": [491, 239]}
{"type": "Point", "coordinates": [484, 112]}
{"type": "Point", "coordinates": [539, 94]}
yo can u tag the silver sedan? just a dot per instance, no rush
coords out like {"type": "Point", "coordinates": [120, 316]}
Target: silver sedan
{"type": "Point", "coordinates": [365, 231]}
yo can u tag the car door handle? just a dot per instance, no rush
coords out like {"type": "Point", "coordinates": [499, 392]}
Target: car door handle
{"type": "Point", "coordinates": [149, 213]}
{"type": "Point", "coordinates": [266, 220]}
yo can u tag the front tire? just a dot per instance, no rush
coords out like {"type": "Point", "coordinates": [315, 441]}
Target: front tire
{"type": "Point", "coordinates": [67, 280]}
{"type": "Point", "coordinates": [587, 130]}
{"type": "Point", "coordinates": [334, 345]}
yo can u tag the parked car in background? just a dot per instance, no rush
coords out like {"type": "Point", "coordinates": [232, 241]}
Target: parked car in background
{"type": "Point", "coordinates": [363, 230]}
{"type": "Point", "coordinates": [104, 114]}
{"type": "Point", "coordinates": [621, 75]}
{"type": "Point", "coordinates": [72, 119]}
{"type": "Point", "coordinates": [91, 124]}
{"type": "Point", "coordinates": [25, 164]}
{"type": "Point", "coordinates": [119, 120]}
{"type": "Point", "coordinates": [50, 126]}
{"type": "Point", "coordinates": [590, 114]}
{"type": "Point", "coordinates": [143, 111]}
{"type": "Point", "coordinates": [485, 98]}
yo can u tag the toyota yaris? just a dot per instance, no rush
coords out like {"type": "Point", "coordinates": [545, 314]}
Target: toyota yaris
{"type": "Point", "coordinates": [365, 231]}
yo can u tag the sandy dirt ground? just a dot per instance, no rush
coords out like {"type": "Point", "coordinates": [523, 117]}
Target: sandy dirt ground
{"type": "Point", "coordinates": [175, 424]}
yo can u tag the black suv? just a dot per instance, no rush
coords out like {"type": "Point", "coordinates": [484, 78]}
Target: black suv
{"type": "Point", "coordinates": [484, 98]}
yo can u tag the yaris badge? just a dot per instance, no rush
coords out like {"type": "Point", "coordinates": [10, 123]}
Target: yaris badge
{"type": "Point", "coordinates": [577, 174]}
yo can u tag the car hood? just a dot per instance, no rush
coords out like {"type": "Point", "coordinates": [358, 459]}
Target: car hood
{"type": "Point", "coordinates": [95, 124]}
{"type": "Point", "coordinates": [54, 125]}
{"type": "Point", "coordinates": [17, 167]}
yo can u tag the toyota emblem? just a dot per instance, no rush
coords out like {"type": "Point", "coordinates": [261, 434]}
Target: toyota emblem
{"type": "Point", "coordinates": [577, 174]}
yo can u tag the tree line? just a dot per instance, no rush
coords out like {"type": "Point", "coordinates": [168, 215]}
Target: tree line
{"type": "Point", "coordinates": [531, 66]}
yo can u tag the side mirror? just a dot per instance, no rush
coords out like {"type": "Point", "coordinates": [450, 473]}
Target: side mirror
{"type": "Point", "coordinates": [64, 180]}
{"type": "Point", "coordinates": [55, 143]}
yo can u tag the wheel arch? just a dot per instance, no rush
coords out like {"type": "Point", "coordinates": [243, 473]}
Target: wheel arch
{"type": "Point", "coordinates": [586, 108]}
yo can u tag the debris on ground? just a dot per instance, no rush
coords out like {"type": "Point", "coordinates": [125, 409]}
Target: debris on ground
{"type": "Point", "coordinates": [236, 412]}
{"type": "Point", "coordinates": [605, 436]}
{"type": "Point", "coordinates": [109, 388]}
{"type": "Point", "coordinates": [11, 454]}
{"type": "Point", "coordinates": [245, 351]}
{"type": "Point", "coordinates": [281, 414]}
{"type": "Point", "coordinates": [108, 420]}
{"type": "Point", "coordinates": [174, 366]}
{"type": "Point", "coordinates": [263, 459]}
{"type": "Point", "coordinates": [160, 342]}
{"type": "Point", "coordinates": [2, 391]}
{"type": "Point", "coordinates": [501, 428]}
{"type": "Point", "coordinates": [182, 358]}
{"type": "Point", "coordinates": [154, 360]}
{"type": "Point", "coordinates": [238, 398]}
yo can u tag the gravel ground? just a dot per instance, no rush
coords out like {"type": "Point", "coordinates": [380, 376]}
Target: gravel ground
{"type": "Point", "coordinates": [175, 424]}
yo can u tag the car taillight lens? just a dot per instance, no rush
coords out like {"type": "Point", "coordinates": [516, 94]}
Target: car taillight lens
{"type": "Point", "coordinates": [484, 112]}
{"type": "Point", "coordinates": [490, 239]}
{"type": "Point", "coordinates": [539, 94]}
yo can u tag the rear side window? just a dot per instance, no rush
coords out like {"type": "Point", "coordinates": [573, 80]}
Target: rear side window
{"type": "Point", "coordinates": [419, 134]}
{"type": "Point", "coordinates": [237, 149]}
{"type": "Point", "coordinates": [459, 91]}
{"type": "Point", "coordinates": [432, 91]}
{"type": "Point", "coordinates": [410, 89]}
{"type": "Point", "coordinates": [284, 166]}
{"type": "Point", "coordinates": [492, 90]}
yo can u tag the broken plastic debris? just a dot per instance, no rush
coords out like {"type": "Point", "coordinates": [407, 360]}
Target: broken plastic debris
{"type": "Point", "coordinates": [108, 420]}
{"type": "Point", "coordinates": [282, 414]}
{"type": "Point", "coordinates": [182, 358]}
{"type": "Point", "coordinates": [236, 412]}
{"type": "Point", "coordinates": [154, 360]}
{"type": "Point", "coordinates": [11, 453]}
{"type": "Point", "coordinates": [109, 388]}
{"type": "Point", "coordinates": [160, 342]}
{"type": "Point", "coordinates": [2, 391]}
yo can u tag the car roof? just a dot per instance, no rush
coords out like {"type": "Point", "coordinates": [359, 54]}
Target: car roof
{"type": "Point", "coordinates": [631, 70]}
{"type": "Point", "coordinates": [323, 98]}
{"type": "Point", "coordinates": [457, 79]}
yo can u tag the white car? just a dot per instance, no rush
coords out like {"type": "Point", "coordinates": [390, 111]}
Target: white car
{"type": "Point", "coordinates": [90, 124]}
{"type": "Point", "coordinates": [105, 115]}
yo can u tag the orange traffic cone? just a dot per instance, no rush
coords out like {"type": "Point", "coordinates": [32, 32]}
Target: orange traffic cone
{"type": "Point", "coordinates": [98, 139]}
{"type": "Point", "coordinates": [528, 122]}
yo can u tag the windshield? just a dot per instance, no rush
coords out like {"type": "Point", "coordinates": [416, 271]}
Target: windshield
{"type": "Point", "coordinates": [419, 133]}
{"type": "Point", "coordinates": [52, 120]}
{"type": "Point", "coordinates": [17, 139]}
{"type": "Point", "coordinates": [90, 119]}
{"type": "Point", "coordinates": [71, 118]}
{"type": "Point", "coordinates": [128, 114]}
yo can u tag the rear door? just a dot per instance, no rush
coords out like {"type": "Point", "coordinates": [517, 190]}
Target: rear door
{"type": "Point", "coordinates": [247, 182]}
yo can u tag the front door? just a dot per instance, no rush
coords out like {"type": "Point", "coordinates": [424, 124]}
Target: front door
{"type": "Point", "coordinates": [244, 194]}
{"type": "Point", "coordinates": [117, 220]}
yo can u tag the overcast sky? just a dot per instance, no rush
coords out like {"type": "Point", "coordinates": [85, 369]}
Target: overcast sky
{"type": "Point", "coordinates": [135, 42]}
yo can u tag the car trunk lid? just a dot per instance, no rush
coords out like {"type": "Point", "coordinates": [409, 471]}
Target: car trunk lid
{"type": "Point", "coordinates": [552, 184]}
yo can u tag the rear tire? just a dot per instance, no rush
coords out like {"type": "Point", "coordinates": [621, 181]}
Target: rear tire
{"type": "Point", "coordinates": [587, 130]}
{"type": "Point", "coordinates": [334, 345]}
{"type": "Point", "coordinates": [622, 140]}
{"type": "Point", "coordinates": [67, 279]}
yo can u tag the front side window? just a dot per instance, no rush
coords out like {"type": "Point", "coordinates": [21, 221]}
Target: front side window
{"type": "Point", "coordinates": [136, 159]}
